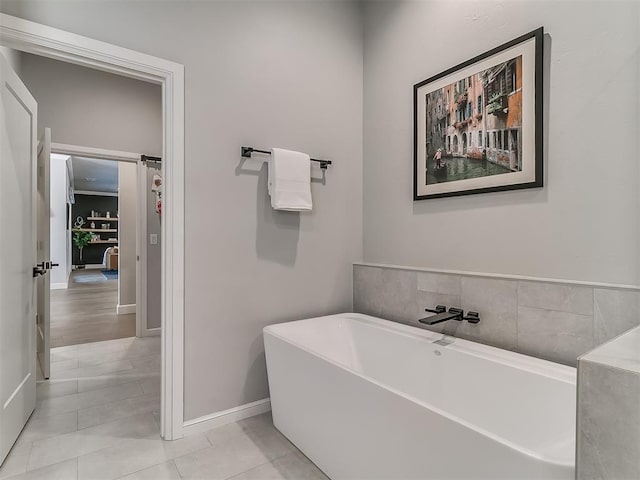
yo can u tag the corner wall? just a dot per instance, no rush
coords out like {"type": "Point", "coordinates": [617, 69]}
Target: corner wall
{"type": "Point", "coordinates": [584, 224]}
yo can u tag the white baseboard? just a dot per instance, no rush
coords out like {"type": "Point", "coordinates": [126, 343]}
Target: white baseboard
{"type": "Point", "coordinates": [151, 332]}
{"type": "Point", "coordinates": [218, 419]}
{"type": "Point", "coordinates": [59, 286]}
{"type": "Point", "coordinates": [124, 309]}
{"type": "Point", "coordinates": [92, 266]}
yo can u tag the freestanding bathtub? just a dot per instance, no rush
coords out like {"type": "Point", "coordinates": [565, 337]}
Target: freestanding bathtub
{"type": "Point", "coordinates": [365, 398]}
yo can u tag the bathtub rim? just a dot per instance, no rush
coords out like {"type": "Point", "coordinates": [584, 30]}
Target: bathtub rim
{"type": "Point", "coordinates": [564, 370]}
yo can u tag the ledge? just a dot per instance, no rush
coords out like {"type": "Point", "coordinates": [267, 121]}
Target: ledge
{"type": "Point", "coordinates": [503, 276]}
{"type": "Point", "coordinates": [622, 352]}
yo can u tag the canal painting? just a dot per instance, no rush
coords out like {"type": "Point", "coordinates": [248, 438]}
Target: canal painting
{"type": "Point", "coordinates": [472, 128]}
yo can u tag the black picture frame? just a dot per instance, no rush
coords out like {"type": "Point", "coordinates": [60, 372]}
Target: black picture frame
{"type": "Point", "coordinates": [503, 84]}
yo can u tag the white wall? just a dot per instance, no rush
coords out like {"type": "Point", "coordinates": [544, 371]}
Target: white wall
{"type": "Point", "coordinates": [59, 235]}
{"type": "Point", "coordinates": [269, 74]}
{"type": "Point", "coordinates": [584, 224]}
{"type": "Point", "coordinates": [127, 251]}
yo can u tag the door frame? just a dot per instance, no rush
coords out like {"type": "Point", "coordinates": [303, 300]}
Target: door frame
{"type": "Point", "coordinates": [141, 224]}
{"type": "Point", "coordinates": [46, 41]}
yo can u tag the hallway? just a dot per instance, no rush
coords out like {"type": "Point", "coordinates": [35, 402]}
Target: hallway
{"type": "Point", "coordinates": [86, 311]}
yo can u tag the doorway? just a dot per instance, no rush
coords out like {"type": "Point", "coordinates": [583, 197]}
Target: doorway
{"type": "Point", "coordinates": [95, 287]}
{"type": "Point", "coordinates": [35, 38]}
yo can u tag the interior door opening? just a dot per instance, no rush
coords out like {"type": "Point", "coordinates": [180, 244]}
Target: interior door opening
{"type": "Point", "coordinates": [95, 293]}
{"type": "Point", "coordinates": [35, 38]}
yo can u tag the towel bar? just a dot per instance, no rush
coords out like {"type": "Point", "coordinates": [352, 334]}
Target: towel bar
{"type": "Point", "coordinates": [247, 151]}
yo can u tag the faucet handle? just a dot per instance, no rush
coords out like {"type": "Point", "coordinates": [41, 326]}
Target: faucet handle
{"type": "Point", "coordinates": [472, 317]}
{"type": "Point", "coordinates": [438, 309]}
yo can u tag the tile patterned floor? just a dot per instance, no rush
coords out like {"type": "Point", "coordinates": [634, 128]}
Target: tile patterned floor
{"type": "Point", "coordinates": [98, 418]}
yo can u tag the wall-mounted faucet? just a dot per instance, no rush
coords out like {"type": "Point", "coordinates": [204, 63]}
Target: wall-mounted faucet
{"type": "Point", "coordinates": [442, 315]}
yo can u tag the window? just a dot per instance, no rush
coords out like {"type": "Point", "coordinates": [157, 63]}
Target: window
{"type": "Point", "coordinates": [495, 140]}
{"type": "Point", "coordinates": [469, 109]}
{"type": "Point", "coordinates": [480, 137]}
{"type": "Point", "coordinates": [505, 142]}
{"type": "Point", "coordinates": [479, 103]}
{"type": "Point", "coordinates": [513, 77]}
{"type": "Point", "coordinates": [487, 138]}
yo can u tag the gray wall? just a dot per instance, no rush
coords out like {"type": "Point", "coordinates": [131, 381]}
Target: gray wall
{"type": "Point", "coordinates": [97, 109]}
{"type": "Point", "coordinates": [584, 224]}
{"type": "Point", "coordinates": [283, 74]}
{"type": "Point", "coordinates": [93, 108]}
{"type": "Point", "coordinates": [127, 251]}
{"type": "Point", "coordinates": [154, 267]}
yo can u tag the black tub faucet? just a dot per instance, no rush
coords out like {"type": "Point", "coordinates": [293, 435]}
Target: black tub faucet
{"type": "Point", "coordinates": [442, 315]}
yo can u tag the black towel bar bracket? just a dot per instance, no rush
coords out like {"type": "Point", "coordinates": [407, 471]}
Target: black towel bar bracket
{"type": "Point", "coordinates": [149, 159]}
{"type": "Point", "coordinates": [247, 151]}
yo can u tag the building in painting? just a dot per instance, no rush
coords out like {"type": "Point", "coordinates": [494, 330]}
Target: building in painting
{"type": "Point", "coordinates": [479, 115]}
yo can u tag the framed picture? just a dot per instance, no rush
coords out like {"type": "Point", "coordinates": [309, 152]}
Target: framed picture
{"type": "Point", "coordinates": [478, 125]}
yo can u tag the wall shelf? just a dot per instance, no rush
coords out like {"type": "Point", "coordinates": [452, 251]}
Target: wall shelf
{"type": "Point", "coordinates": [92, 209]}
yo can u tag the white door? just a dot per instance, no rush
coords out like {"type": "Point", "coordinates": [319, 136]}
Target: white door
{"type": "Point", "coordinates": [44, 244]}
{"type": "Point", "coordinates": [18, 126]}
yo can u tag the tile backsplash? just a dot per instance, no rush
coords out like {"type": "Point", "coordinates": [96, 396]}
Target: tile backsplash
{"type": "Point", "coordinates": [557, 321]}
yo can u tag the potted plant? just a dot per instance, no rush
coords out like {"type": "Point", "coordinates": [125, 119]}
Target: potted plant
{"type": "Point", "coordinates": [81, 240]}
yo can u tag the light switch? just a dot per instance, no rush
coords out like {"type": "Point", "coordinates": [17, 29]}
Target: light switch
{"type": "Point", "coordinates": [153, 238]}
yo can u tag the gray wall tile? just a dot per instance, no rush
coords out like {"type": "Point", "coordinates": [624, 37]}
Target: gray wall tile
{"type": "Point", "coordinates": [559, 297]}
{"type": "Point", "coordinates": [367, 290]}
{"type": "Point", "coordinates": [439, 283]}
{"type": "Point", "coordinates": [399, 295]}
{"type": "Point", "coordinates": [608, 439]}
{"type": "Point", "coordinates": [615, 312]}
{"type": "Point", "coordinates": [495, 301]}
{"type": "Point", "coordinates": [567, 326]}
{"type": "Point", "coordinates": [556, 336]}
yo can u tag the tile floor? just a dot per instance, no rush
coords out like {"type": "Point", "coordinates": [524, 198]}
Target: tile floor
{"type": "Point", "coordinates": [98, 418]}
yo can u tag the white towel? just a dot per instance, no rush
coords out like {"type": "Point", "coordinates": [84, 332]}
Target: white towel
{"type": "Point", "coordinates": [290, 180]}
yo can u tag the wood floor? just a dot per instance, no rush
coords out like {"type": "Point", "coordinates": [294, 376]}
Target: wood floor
{"type": "Point", "coordinates": [86, 311]}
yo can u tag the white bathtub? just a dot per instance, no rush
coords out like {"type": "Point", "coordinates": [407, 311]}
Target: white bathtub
{"type": "Point", "coordinates": [366, 398]}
